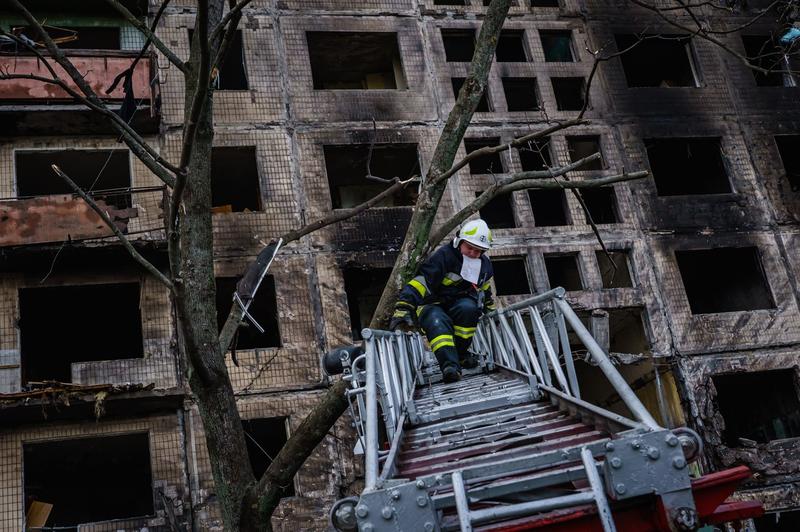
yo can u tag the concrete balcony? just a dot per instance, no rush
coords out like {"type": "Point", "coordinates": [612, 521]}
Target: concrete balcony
{"type": "Point", "coordinates": [32, 107]}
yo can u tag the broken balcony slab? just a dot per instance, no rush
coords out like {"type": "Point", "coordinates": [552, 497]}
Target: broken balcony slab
{"type": "Point", "coordinates": [55, 219]}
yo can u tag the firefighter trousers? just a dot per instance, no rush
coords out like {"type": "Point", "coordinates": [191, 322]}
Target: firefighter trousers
{"type": "Point", "coordinates": [450, 328]}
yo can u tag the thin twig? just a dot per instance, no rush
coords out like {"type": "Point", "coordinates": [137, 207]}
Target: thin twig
{"type": "Point", "coordinates": [122, 238]}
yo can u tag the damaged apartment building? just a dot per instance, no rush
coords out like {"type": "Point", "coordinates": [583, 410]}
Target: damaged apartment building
{"type": "Point", "coordinates": [701, 313]}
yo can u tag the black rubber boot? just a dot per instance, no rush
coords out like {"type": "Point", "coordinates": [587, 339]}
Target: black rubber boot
{"type": "Point", "coordinates": [451, 373]}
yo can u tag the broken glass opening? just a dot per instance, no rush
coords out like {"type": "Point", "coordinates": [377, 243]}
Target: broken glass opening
{"type": "Point", "coordinates": [510, 276]}
{"type": "Point", "coordinates": [92, 170]}
{"type": "Point", "coordinates": [346, 167]}
{"type": "Point", "coordinates": [774, 416]}
{"type": "Point", "coordinates": [459, 45]}
{"type": "Point", "coordinates": [569, 93]}
{"type": "Point", "coordinates": [364, 287]}
{"type": "Point", "coordinates": [619, 278]}
{"type": "Point", "coordinates": [498, 213]}
{"type": "Point", "coordinates": [521, 94]}
{"type": "Point", "coordinates": [557, 45]}
{"type": "Point", "coordinates": [657, 61]}
{"type": "Point", "coordinates": [235, 180]}
{"type": "Point", "coordinates": [90, 479]}
{"type": "Point", "coordinates": [563, 271]}
{"type": "Point", "coordinates": [342, 60]}
{"type": "Point", "coordinates": [549, 207]}
{"type": "Point", "coordinates": [684, 166]}
{"type": "Point", "coordinates": [74, 322]}
{"type": "Point", "coordinates": [724, 280]}
{"type": "Point", "coordinates": [265, 437]}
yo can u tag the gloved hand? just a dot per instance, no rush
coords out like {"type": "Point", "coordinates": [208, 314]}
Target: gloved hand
{"type": "Point", "coordinates": [401, 316]}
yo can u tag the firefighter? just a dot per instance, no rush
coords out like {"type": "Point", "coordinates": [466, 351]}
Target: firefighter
{"type": "Point", "coordinates": [448, 296]}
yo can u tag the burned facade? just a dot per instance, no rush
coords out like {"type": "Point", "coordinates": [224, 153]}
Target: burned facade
{"type": "Point", "coordinates": [700, 308]}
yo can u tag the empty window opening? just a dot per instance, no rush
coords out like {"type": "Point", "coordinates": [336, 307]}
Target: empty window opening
{"type": "Point", "coordinates": [234, 180]}
{"type": "Point", "coordinates": [485, 164]}
{"type": "Point", "coordinates": [346, 166]}
{"type": "Point", "coordinates": [626, 331]}
{"type": "Point", "coordinates": [112, 469]}
{"type": "Point", "coordinates": [510, 276]}
{"type": "Point", "coordinates": [663, 61]}
{"type": "Point", "coordinates": [601, 204]}
{"type": "Point", "coordinates": [521, 94]}
{"type": "Point", "coordinates": [265, 437]}
{"type": "Point", "coordinates": [92, 170]}
{"type": "Point", "coordinates": [549, 207]}
{"type": "Point", "coordinates": [544, 3]}
{"type": "Point", "coordinates": [557, 46]}
{"type": "Point", "coordinates": [459, 45]}
{"type": "Point", "coordinates": [683, 166]}
{"type": "Point", "coordinates": [614, 278]}
{"type": "Point", "coordinates": [789, 149]}
{"type": "Point", "coordinates": [775, 415]}
{"type": "Point", "coordinates": [233, 74]}
{"type": "Point", "coordinates": [264, 309]}
{"type": "Point", "coordinates": [569, 93]}
{"type": "Point", "coordinates": [499, 212]}
{"type": "Point", "coordinates": [511, 47]}
{"type": "Point", "coordinates": [483, 104]}
{"type": "Point", "coordinates": [74, 322]}
{"type": "Point", "coordinates": [364, 287]}
{"type": "Point", "coordinates": [763, 52]}
{"type": "Point", "coordinates": [355, 60]}
{"type": "Point", "coordinates": [785, 521]}
{"type": "Point", "coordinates": [563, 271]}
{"type": "Point", "coordinates": [535, 155]}
{"type": "Point", "coordinates": [584, 146]}
{"type": "Point", "coordinates": [724, 280]}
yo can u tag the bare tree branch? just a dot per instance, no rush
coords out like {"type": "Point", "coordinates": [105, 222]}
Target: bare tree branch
{"type": "Point", "coordinates": [235, 11]}
{"type": "Point", "coordinates": [225, 43]}
{"type": "Point", "coordinates": [150, 33]}
{"type": "Point", "coordinates": [119, 234]}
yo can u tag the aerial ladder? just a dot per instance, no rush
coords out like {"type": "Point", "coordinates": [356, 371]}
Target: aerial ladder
{"type": "Point", "coordinates": [512, 446]}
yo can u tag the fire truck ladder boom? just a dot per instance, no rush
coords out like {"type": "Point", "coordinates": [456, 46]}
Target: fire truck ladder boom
{"type": "Point", "coordinates": [513, 446]}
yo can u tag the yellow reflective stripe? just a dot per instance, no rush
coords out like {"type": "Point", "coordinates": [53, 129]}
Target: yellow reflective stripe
{"type": "Point", "coordinates": [443, 340]}
{"type": "Point", "coordinates": [450, 279]}
{"type": "Point", "coordinates": [464, 332]}
{"type": "Point", "coordinates": [420, 309]}
{"type": "Point", "coordinates": [485, 286]}
{"type": "Point", "coordinates": [418, 286]}
{"type": "Point", "coordinates": [404, 304]}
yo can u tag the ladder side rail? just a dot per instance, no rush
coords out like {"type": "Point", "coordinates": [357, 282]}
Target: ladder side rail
{"type": "Point", "coordinates": [497, 341]}
{"type": "Point", "coordinates": [567, 351]}
{"type": "Point", "coordinates": [516, 346]}
{"type": "Point", "coordinates": [371, 447]}
{"type": "Point", "coordinates": [522, 334]}
{"type": "Point", "coordinates": [392, 379]}
{"type": "Point", "coordinates": [599, 356]}
{"type": "Point", "coordinates": [389, 465]}
{"type": "Point", "coordinates": [384, 385]}
{"type": "Point", "coordinates": [603, 509]}
{"type": "Point", "coordinates": [540, 352]}
{"type": "Point", "coordinates": [548, 348]}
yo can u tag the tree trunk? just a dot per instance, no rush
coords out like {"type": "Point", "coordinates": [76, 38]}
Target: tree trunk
{"type": "Point", "coordinates": [328, 410]}
{"type": "Point", "coordinates": [196, 312]}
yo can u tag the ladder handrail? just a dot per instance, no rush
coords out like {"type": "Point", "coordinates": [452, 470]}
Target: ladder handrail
{"type": "Point", "coordinates": [544, 358]}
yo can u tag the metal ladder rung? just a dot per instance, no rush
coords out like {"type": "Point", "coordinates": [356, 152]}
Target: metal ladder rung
{"type": "Point", "coordinates": [595, 494]}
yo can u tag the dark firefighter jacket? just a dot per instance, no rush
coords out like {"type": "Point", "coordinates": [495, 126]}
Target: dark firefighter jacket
{"type": "Point", "coordinates": [439, 281]}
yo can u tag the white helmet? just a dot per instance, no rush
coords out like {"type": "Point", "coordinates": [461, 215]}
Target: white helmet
{"type": "Point", "coordinates": [476, 232]}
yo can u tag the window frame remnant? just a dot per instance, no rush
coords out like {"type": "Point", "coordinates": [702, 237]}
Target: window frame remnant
{"type": "Point", "coordinates": [264, 309]}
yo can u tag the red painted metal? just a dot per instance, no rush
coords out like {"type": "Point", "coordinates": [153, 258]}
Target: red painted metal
{"type": "Point", "coordinates": [99, 72]}
{"type": "Point", "coordinates": [710, 492]}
